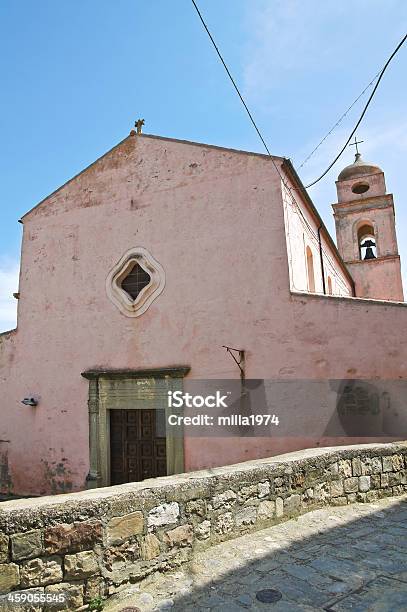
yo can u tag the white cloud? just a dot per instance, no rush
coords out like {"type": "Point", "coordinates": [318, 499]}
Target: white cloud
{"type": "Point", "coordinates": [286, 40]}
{"type": "Point", "coordinates": [9, 271]}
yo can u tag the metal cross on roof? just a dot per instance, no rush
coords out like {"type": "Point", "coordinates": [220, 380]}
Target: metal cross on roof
{"type": "Point", "coordinates": [139, 125]}
{"type": "Point", "coordinates": [355, 144]}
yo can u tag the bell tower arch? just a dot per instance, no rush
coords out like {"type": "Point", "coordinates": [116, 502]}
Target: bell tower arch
{"type": "Point", "coordinates": [366, 231]}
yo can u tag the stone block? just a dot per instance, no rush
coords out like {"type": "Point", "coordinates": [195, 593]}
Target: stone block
{"type": "Point", "coordinates": [351, 498]}
{"type": "Point", "coordinates": [203, 530]}
{"type": "Point", "coordinates": [180, 536]}
{"type": "Point", "coordinates": [375, 481]}
{"type": "Point", "coordinates": [29, 606]}
{"type": "Point", "coordinates": [339, 501]}
{"type": "Point", "coordinates": [376, 465]}
{"type": "Point", "coordinates": [279, 507]}
{"type": "Point", "coordinates": [80, 565]}
{"type": "Point", "coordinates": [309, 494]}
{"type": "Point", "coordinates": [9, 577]}
{"type": "Point", "coordinates": [263, 489]}
{"type": "Point", "coordinates": [224, 523]}
{"type": "Point", "coordinates": [398, 462]}
{"type": "Point", "coordinates": [356, 466]}
{"type": "Point", "coordinates": [196, 506]}
{"type": "Point", "coordinates": [387, 464]}
{"type": "Point", "coordinates": [164, 514]}
{"type": "Point", "coordinates": [39, 572]}
{"type": "Point", "coordinates": [394, 479]}
{"type": "Point", "coordinates": [266, 510]}
{"type": "Point", "coordinates": [95, 587]}
{"type": "Point", "coordinates": [364, 483]}
{"type": "Point", "coordinates": [121, 528]}
{"type": "Point", "coordinates": [116, 555]}
{"type": "Point", "coordinates": [345, 467]}
{"type": "Point", "coordinates": [384, 480]}
{"type": "Point", "coordinates": [292, 504]}
{"type": "Point", "coordinates": [372, 496]}
{"type": "Point", "coordinates": [4, 540]}
{"type": "Point", "coordinates": [150, 547]}
{"type": "Point", "coordinates": [246, 516]}
{"type": "Point", "coordinates": [246, 493]}
{"type": "Point", "coordinates": [26, 545]}
{"type": "Point", "coordinates": [224, 500]}
{"type": "Point", "coordinates": [336, 488]}
{"type": "Point", "coordinates": [351, 485]}
{"type": "Point", "coordinates": [72, 592]}
{"type": "Point", "coordinates": [72, 537]}
{"type": "Point", "coordinates": [322, 491]}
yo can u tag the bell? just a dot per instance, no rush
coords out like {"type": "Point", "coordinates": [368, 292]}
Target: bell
{"type": "Point", "coordinates": [368, 244]}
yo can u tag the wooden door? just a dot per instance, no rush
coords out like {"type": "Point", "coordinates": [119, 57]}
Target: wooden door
{"type": "Point", "coordinates": [136, 451]}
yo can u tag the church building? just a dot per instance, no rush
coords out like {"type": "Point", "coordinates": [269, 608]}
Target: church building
{"type": "Point", "coordinates": [148, 269]}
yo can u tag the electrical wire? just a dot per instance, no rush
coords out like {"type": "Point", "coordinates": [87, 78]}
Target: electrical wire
{"type": "Point", "coordinates": [230, 76]}
{"type": "Point", "coordinates": [379, 77]}
{"type": "Point", "coordinates": [362, 115]}
{"type": "Point", "coordinates": [341, 118]}
{"type": "Point", "coordinates": [282, 178]}
{"type": "Point", "coordinates": [289, 189]}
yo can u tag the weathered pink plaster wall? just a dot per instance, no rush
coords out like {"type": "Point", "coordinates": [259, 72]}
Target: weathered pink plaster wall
{"type": "Point", "coordinates": [379, 277]}
{"type": "Point", "coordinates": [214, 219]}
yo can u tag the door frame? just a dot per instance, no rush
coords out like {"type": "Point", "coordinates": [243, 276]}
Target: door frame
{"type": "Point", "coordinates": [129, 390]}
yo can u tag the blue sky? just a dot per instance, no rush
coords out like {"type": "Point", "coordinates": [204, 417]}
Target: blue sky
{"type": "Point", "coordinates": [77, 73]}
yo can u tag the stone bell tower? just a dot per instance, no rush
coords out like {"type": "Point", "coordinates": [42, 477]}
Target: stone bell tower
{"type": "Point", "coordinates": [366, 231]}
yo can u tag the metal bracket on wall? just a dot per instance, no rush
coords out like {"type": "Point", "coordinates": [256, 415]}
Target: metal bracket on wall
{"type": "Point", "coordinates": [240, 361]}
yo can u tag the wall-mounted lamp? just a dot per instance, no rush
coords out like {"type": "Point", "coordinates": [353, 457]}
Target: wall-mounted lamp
{"type": "Point", "coordinates": [30, 401]}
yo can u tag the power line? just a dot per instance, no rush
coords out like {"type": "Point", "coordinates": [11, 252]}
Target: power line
{"type": "Point", "coordinates": [242, 100]}
{"type": "Point", "coordinates": [288, 188]}
{"type": "Point", "coordinates": [230, 76]}
{"type": "Point", "coordinates": [341, 118]}
{"type": "Point", "coordinates": [362, 115]}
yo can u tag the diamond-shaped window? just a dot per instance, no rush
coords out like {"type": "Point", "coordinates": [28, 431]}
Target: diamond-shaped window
{"type": "Point", "coordinates": [135, 281]}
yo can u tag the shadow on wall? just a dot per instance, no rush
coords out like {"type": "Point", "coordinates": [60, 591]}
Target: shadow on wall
{"type": "Point", "coordinates": [360, 565]}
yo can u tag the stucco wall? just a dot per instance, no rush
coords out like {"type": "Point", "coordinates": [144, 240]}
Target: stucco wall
{"type": "Point", "coordinates": [90, 544]}
{"type": "Point", "coordinates": [302, 232]}
{"type": "Point", "coordinates": [214, 219]}
{"type": "Point", "coordinates": [380, 277]}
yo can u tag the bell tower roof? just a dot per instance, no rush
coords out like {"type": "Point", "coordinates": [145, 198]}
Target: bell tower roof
{"type": "Point", "coordinates": [358, 169]}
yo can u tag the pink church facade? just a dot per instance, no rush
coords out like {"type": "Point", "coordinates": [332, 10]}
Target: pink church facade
{"type": "Point", "coordinates": [235, 257]}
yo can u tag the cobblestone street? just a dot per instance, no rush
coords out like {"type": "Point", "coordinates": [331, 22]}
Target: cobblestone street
{"type": "Point", "coordinates": [335, 559]}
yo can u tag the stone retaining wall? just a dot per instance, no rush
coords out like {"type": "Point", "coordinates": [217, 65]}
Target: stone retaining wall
{"type": "Point", "coordinates": [93, 543]}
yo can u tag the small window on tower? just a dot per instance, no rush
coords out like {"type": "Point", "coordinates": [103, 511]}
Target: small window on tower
{"type": "Point", "coordinates": [360, 188]}
{"type": "Point", "coordinates": [367, 242]}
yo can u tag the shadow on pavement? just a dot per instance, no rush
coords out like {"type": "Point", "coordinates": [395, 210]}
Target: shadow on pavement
{"type": "Point", "coordinates": [360, 564]}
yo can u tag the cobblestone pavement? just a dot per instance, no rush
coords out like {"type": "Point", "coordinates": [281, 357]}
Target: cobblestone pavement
{"type": "Point", "coordinates": [335, 559]}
